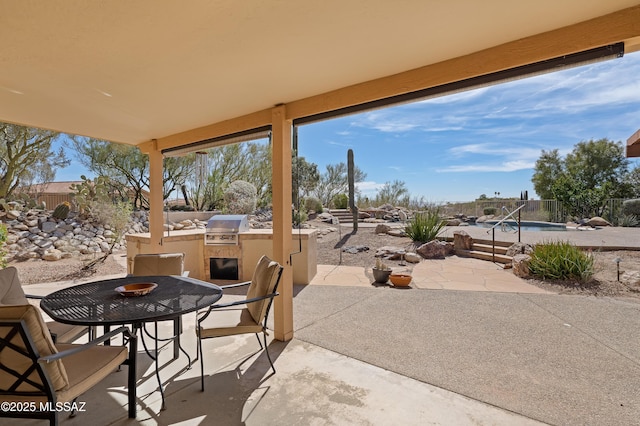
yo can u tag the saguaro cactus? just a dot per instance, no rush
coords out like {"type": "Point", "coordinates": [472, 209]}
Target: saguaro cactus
{"type": "Point", "coordinates": [352, 185]}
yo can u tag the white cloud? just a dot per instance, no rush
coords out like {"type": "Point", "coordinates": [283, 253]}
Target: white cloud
{"type": "Point", "coordinates": [507, 166]}
{"type": "Point", "coordinates": [339, 143]}
{"type": "Point", "coordinates": [369, 187]}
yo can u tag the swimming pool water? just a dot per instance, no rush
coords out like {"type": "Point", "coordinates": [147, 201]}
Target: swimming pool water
{"type": "Point", "coordinates": [525, 225]}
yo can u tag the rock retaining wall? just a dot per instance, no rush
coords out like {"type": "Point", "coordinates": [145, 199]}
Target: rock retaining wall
{"type": "Point", "coordinates": [35, 234]}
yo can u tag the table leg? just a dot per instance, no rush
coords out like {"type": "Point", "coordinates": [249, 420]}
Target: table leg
{"type": "Point", "coordinates": [132, 365]}
{"type": "Point", "coordinates": [177, 331]}
{"type": "Point", "coordinates": [105, 330]}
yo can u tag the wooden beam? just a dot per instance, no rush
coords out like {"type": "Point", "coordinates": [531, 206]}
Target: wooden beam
{"type": "Point", "coordinates": [251, 121]}
{"type": "Point", "coordinates": [620, 26]}
{"type": "Point", "coordinates": [156, 224]}
{"type": "Point", "coordinates": [633, 145]}
{"type": "Point", "coordinates": [282, 222]}
{"type": "Point", "coordinates": [608, 29]}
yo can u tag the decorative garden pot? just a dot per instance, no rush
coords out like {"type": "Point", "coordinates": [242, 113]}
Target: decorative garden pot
{"type": "Point", "coordinates": [381, 275]}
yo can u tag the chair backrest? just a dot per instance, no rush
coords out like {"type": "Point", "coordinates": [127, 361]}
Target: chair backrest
{"type": "Point", "coordinates": [158, 264]}
{"type": "Point", "coordinates": [23, 339]}
{"type": "Point", "coordinates": [265, 281]}
{"type": "Point", "coordinates": [11, 292]}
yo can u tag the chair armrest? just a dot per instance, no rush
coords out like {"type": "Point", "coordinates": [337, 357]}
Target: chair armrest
{"type": "Point", "coordinates": [34, 296]}
{"type": "Point", "coordinates": [235, 285]}
{"type": "Point", "coordinates": [84, 347]}
{"type": "Point", "coordinates": [244, 302]}
{"type": "Point", "coordinates": [236, 303]}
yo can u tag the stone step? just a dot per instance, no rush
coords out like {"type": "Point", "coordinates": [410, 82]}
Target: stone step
{"type": "Point", "coordinates": [489, 242]}
{"type": "Point", "coordinates": [499, 258]}
{"type": "Point", "coordinates": [342, 214]}
{"type": "Point", "coordinates": [488, 248]}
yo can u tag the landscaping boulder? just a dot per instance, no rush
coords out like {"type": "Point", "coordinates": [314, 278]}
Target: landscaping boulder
{"type": "Point", "coordinates": [597, 221]}
{"type": "Point", "coordinates": [381, 228]}
{"type": "Point", "coordinates": [412, 257]}
{"type": "Point", "coordinates": [462, 241]}
{"type": "Point", "coordinates": [397, 233]}
{"type": "Point", "coordinates": [454, 222]}
{"type": "Point", "coordinates": [519, 248]}
{"type": "Point", "coordinates": [433, 250]}
{"type": "Point", "coordinates": [521, 265]}
{"type": "Point", "coordinates": [52, 255]}
{"type": "Point", "coordinates": [390, 252]}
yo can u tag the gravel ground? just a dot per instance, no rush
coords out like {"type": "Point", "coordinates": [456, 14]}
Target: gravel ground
{"type": "Point", "coordinates": [36, 271]}
{"type": "Point", "coordinates": [604, 283]}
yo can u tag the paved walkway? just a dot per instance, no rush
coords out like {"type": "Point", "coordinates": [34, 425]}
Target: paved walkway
{"type": "Point", "coordinates": [452, 273]}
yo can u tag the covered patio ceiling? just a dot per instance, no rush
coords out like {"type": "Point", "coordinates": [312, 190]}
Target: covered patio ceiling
{"type": "Point", "coordinates": [178, 72]}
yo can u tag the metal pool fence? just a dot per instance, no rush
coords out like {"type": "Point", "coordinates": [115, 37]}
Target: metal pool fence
{"type": "Point", "coordinates": [535, 210]}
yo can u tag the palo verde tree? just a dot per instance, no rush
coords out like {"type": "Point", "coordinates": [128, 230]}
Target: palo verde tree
{"type": "Point", "coordinates": [334, 181]}
{"type": "Point", "coordinates": [593, 172]}
{"type": "Point", "coordinates": [394, 193]}
{"type": "Point", "coordinates": [248, 161]}
{"type": "Point", "coordinates": [127, 168]}
{"type": "Point", "coordinates": [26, 156]}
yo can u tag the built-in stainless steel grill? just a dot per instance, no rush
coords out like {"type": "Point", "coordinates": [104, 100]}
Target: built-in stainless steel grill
{"type": "Point", "coordinates": [223, 229]}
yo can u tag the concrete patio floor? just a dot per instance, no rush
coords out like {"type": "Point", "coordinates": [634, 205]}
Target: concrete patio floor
{"type": "Point", "coordinates": [501, 352]}
{"type": "Point", "coordinates": [313, 385]}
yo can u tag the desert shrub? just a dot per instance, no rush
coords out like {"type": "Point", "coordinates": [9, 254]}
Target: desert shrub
{"type": "Point", "coordinates": [631, 207]}
{"type": "Point", "coordinates": [561, 260]}
{"type": "Point", "coordinates": [182, 208]}
{"type": "Point", "coordinates": [299, 216]}
{"type": "Point", "coordinates": [241, 197]}
{"type": "Point", "coordinates": [489, 211]}
{"type": "Point", "coordinates": [340, 201]}
{"type": "Point", "coordinates": [425, 226]}
{"type": "Point", "coordinates": [3, 241]}
{"type": "Point", "coordinates": [628, 220]}
{"type": "Point", "coordinates": [313, 203]}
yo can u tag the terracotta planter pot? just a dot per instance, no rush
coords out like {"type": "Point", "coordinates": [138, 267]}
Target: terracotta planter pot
{"type": "Point", "coordinates": [400, 280]}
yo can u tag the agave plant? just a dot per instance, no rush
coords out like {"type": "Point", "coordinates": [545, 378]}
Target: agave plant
{"type": "Point", "coordinates": [425, 226]}
{"type": "Point", "coordinates": [561, 260]}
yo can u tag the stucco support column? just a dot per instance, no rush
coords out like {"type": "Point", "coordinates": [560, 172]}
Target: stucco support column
{"type": "Point", "coordinates": [282, 223]}
{"type": "Point", "coordinates": [156, 205]}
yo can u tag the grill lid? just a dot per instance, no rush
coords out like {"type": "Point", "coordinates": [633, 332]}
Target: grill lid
{"type": "Point", "coordinates": [228, 223]}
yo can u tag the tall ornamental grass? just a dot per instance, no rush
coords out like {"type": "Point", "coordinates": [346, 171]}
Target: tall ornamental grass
{"type": "Point", "coordinates": [425, 226]}
{"type": "Point", "coordinates": [561, 260]}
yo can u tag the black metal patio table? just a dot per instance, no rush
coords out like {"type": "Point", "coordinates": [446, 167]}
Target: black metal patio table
{"type": "Point", "coordinates": [98, 304]}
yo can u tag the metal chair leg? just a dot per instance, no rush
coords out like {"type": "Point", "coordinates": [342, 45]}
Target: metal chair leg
{"type": "Point", "coordinates": [258, 337]}
{"type": "Point", "coordinates": [266, 348]}
{"type": "Point", "coordinates": [201, 359]}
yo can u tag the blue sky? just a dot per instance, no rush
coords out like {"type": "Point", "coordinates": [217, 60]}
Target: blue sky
{"type": "Point", "coordinates": [482, 141]}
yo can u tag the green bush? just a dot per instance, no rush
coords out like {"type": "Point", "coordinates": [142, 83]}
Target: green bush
{"type": "Point", "coordinates": [561, 260]}
{"type": "Point", "coordinates": [340, 201]}
{"type": "Point", "coordinates": [425, 226]}
{"type": "Point", "coordinates": [631, 207]}
{"type": "Point", "coordinates": [313, 203]}
{"type": "Point", "coordinates": [489, 211]}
